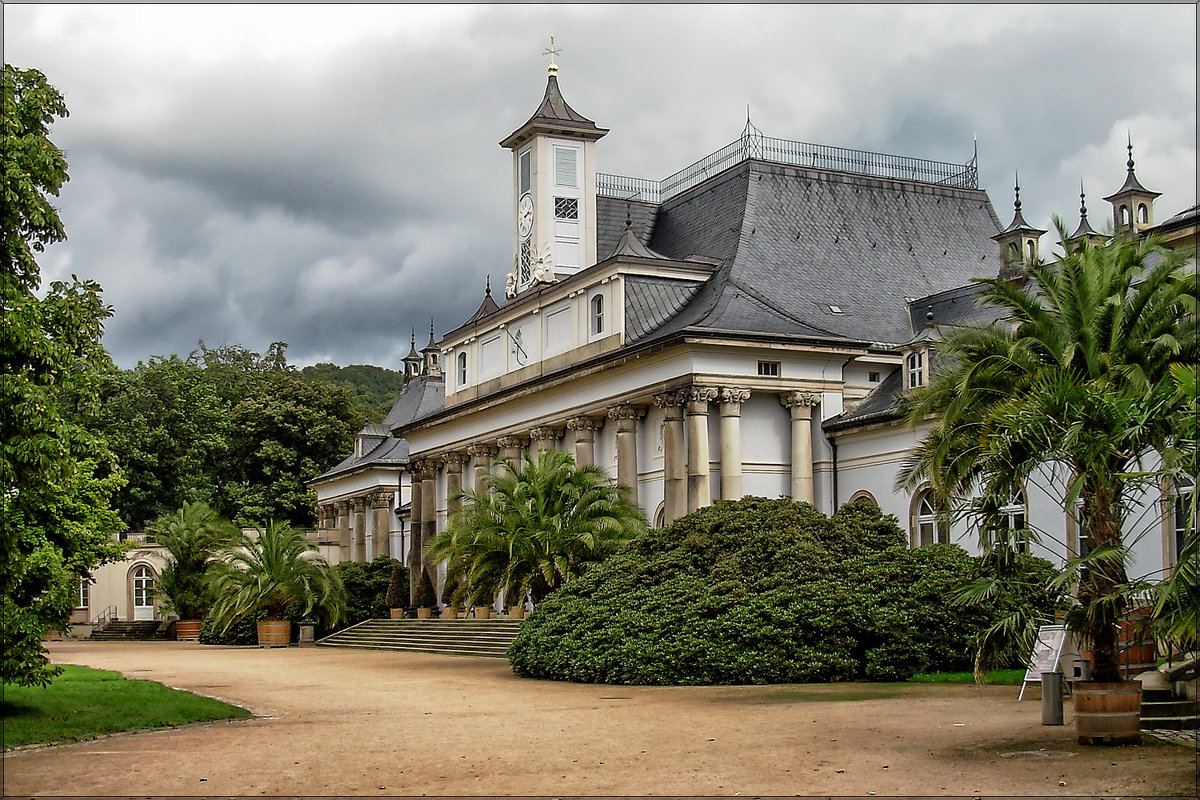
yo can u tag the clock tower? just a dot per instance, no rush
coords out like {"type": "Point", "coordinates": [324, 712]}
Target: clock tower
{"type": "Point", "coordinates": [554, 190]}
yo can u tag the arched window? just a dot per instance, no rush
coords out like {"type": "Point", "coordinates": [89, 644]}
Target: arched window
{"type": "Point", "coordinates": [1011, 522]}
{"type": "Point", "coordinates": [916, 369]}
{"type": "Point", "coordinates": [1143, 213]}
{"type": "Point", "coordinates": [660, 516]}
{"type": "Point", "coordinates": [462, 369]}
{"type": "Point", "coordinates": [143, 593]}
{"type": "Point", "coordinates": [1123, 212]}
{"type": "Point", "coordinates": [1031, 250]}
{"type": "Point", "coordinates": [928, 526]}
{"type": "Point", "coordinates": [598, 314]}
{"type": "Point", "coordinates": [1014, 253]}
{"type": "Point", "coordinates": [863, 494]}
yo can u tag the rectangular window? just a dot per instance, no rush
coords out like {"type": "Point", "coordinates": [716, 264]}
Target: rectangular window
{"type": "Point", "coordinates": [566, 208]}
{"type": "Point", "coordinates": [84, 592]}
{"type": "Point", "coordinates": [525, 274]}
{"type": "Point", "coordinates": [873, 377]}
{"type": "Point", "coordinates": [768, 369]}
{"type": "Point", "coordinates": [565, 172]}
{"type": "Point", "coordinates": [525, 161]}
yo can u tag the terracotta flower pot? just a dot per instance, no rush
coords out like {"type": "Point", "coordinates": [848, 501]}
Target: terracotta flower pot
{"type": "Point", "coordinates": [424, 613]}
{"type": "Point", "coordinates": [483, 612]}
{"type": "Point", "coordinates": [187, 630]}
{"type": "Point", "coordinates": [516, 612]}
{"type": "Point", "coordinates": [396, 613]}
{"type": "Point", "coordinates": [449, 613]}
{"type": "Point", "coordinates": [274, 633]}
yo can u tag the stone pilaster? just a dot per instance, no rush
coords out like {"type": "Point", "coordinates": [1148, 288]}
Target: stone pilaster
{"type": "Point", "coordinates": [626, 416]}
{"type": "Point", "coordinates": [699, 488]}
{"type": "Point", "coordinates": [731, 441]}
{"type": "Point", "coordinates": [801, 404]}
{"type": "Point", "coordinates": [358, 517]}
{"type": "Point", "coordinates": [342, 524]}
{"type": "Point", "coordinates": [674, 463]}
{"type": "Point", "coordinates": [429, 512]}
{"type": "Point", "coordinates": [454, 475]}
{"type": "Point", "coordinates": [511, 446]}
{"type": "Point", "coordinates": [381, 512]}
{"type": "Point", "coordinates": [585, 438]}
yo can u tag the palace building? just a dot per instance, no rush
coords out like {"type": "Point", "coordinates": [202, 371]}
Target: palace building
{"type": "Point", "coordinates": [744, 326]}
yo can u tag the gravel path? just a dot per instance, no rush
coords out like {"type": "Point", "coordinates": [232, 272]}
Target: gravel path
{"type": "Point", "coordinates": [341, 722]}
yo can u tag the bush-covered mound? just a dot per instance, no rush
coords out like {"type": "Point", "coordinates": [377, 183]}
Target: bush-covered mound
{"type": "Point", "coordinates": [758, 591]}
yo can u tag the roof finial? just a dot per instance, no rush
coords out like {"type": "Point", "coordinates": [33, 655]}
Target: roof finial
{"type": "Point", "coordinates": [628, 217]}
{"type": "Point", "coordinates": [929, 314]}
{"type": "Point", "coordinates": [1082, 203]}
{"type": "Point", "coordinates": [551, 51]}
{"type": "Point", "coordinates": [487, 289]}
{"type": "Point", "coordinates": [1129, 147]}
{"type": "Point", "coordinates": [413, 339]}
{"type": "Point", "coordinates": [1017, 192]}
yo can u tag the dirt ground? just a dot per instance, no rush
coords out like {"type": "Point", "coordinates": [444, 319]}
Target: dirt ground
{"type": "Point", "coordinates": [341, 722]}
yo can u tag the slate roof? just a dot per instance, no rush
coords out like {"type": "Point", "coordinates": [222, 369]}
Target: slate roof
{"type": "Point", "coordinates": [796, 241]}
{"type": "Point", "coordinates": [555, 116]}
{"type": "Point", "coordinates": [881, 404]}
{"type": "Point", "coordinates": [1179, 220]}
{"type": "Point", "coordinates": [649, 302]}
{"type": "Point", "coordinates": [388, 452]}
{"type": "Point", "coordinates": [420, 397]}
{"type": "Point", "coordinates": [611, 217]}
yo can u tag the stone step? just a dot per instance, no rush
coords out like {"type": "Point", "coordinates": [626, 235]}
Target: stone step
{"type": "Point", "coordinates": [1157, 695]}
{"type": "Point", "coordinates": [1170, 708]}
{"type": "Point", "coordinates": [1188, 723]}
{"type": "Point", "coordinates": [127, 630]}
{"type": "Point", "coordinates": [468, 637]}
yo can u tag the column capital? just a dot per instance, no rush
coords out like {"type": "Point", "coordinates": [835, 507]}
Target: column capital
{"type": "Point", "coordinates": [800, 399]}
{"type": "Point", "coordinates": [481, 450]}
{"type": "Point", "coordinates": [671, 399]}
{"type": "Point", "coordinates": [342, 506]}
{"type": "Point", "coordinates": [454, 458]}
{"type": "Point", "coordinates": [514, 442]}
{"type": "Point", "coordinates": [545, 432]}
{"type": "Point", "coordinates": [585, 423]}
{"type": "Point", "coordinates": [358, 503]}
{"type": "Point", "coordinates": [734, 397]}
{"type": "Point", "coordinates": [626, 411]}
{"type": "Point", "coordinates": [698, 398]}
{"type": "Point", "coordinates": [380, 499]}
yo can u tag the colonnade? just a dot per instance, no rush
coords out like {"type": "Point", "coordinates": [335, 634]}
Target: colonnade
{"type": "Point", "coordinates": [686, 463]}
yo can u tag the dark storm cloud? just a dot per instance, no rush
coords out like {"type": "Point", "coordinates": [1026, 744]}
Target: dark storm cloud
{"type": "Point", "coordinates": [330, 176]}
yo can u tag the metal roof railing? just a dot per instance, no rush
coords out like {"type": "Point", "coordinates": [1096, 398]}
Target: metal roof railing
{"type": "Point", "coordinates": [754, 145]}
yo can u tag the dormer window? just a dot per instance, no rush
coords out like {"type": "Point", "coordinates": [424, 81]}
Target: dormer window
{"type": "Point", "coordinates": [915, 367]}
{"type": "Point", "coordinates": [462, 369]}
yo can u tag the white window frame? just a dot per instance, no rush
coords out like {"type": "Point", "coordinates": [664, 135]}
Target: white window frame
{"type": "Point", "coordinates": [84, 597]}
{"type": "Point", "coordinates": [927, 520]}
{"type": "Point", "coordinates": [914, 364]}
{"type": "Point", "coordinates": [596, 315]}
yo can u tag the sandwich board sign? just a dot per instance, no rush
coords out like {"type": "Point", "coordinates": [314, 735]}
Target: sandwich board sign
{"type": "Point", "coordinates": [1046, 654]}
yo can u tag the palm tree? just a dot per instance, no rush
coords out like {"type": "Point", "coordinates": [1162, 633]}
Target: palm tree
{"type": "Point", "coordinates": [1076, 379]}
{"type": "Point", "coordinates": [275, 571]}
{"type": "Point", "coordinates": [537, 525]}
{"type": "Point", "coordinates": [192, 537]}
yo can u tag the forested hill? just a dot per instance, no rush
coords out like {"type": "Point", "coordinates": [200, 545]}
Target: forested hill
{"type": "Point", "coordinates": [374, 388]}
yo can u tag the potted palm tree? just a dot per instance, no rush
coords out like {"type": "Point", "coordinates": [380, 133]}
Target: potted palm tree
{"type": "Point", "coordinates": [265, 574]}
{"type": "Point", "coordinates": [191, 537]}
{"type": "Point", "coordinates": [1076, 381]}
{"type": "Point", "coordinates": [534, 526]}
{"type": "Point", "coordinates": [397, 592]}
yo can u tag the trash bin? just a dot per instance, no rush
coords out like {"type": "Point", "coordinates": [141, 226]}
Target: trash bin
{"type": "Point", "coordinates": [1052, 698]}
{"type": "Point", "coordinates": [307, 630]}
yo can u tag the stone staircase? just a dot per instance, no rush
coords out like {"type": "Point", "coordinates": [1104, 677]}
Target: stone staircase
{"type": "Point", "coordinates": [117, 631]}
{"type": "Point", "coordinates": [1162, 710]}
{"type": "Point", "coordinates": [489, 638]}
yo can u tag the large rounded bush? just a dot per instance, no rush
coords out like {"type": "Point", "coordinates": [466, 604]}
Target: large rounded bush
{"type": "Point", "coordinates": [757, 591]}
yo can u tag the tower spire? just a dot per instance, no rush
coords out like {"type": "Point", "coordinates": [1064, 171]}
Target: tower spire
{"type": "Point", "coordinates": [1132, 204]}
{"type": "Point", "coordinates": [1085, 229]}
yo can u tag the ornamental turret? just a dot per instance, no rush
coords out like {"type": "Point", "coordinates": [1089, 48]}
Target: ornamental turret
{"type": "Point", "coordinates": [1133, 204]}
{"type": "Point", "coordinates": [1018, 242]}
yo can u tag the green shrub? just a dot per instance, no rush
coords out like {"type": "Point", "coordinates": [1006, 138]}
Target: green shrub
{"type": "Point", "coordinates": [757, 591]}
{"type": "Point", "coordinates": [242, 631]}
{"type": "Point", "coordinates": [366, 587]}
{"type": "Point", "coordinates": [426, 596]}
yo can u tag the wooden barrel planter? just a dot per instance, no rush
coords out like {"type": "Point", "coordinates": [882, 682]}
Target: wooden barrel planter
{"type": "Point", "coordinates": [1135, 644]}
{"type": "Point", "coordinates": [187, 630]}
{"type": "Point", "coordinates": [1108, 713]}
{"type": "Point", "coordinates": [274, 633]}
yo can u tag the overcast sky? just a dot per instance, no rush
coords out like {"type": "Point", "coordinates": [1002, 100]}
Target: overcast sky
{"type": "Point", "coordinates": [329, 175]}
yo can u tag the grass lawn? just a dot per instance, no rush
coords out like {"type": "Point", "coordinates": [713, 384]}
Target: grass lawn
{"type": "Point", "coordinates": [1001, 676]}
{"type": "Point", "coordinates": [84, 703]}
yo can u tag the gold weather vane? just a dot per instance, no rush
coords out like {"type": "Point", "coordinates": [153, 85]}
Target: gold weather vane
{"type": "Point", "coordinates": [551, 51]}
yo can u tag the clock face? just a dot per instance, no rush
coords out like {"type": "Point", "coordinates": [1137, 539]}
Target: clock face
{"type": "Point", "coordinates": [525, 215]}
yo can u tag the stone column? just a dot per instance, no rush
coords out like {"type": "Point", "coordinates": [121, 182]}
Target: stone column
{"type": "Point", "coordinates": [381, 508]}
{"type": "Point", "coordinates": [731, 442]}
{"type": "Point", "coordinates": [699, 488]}
{"type": "Point", "coordinates": [483, 455]}
{"type": "Point", "coordinates": [674, 464]}
{"type": "Point", "coordinates": [416, 528]}
{"type": "Point", "coordinates": [342, 526]}
{"type": "Point", "coordinates": [368, 528]}
{"type": "Point", "coordinates": [627, 416]}
{"type": "Point", "coordinates": [429, 512]}
{"type": "Point", "coordinates": [543, 437]}
{"type": "Point", "coordinates": [585, 439]}
{"type": "Point", "coordinates": [801, 405]}
{"type": "Point", "coordinates": [454, 465]}
{"type": "Point", "coordinates": [356, 529]}
{"type": "Point", "coordinates": [510, 447]}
